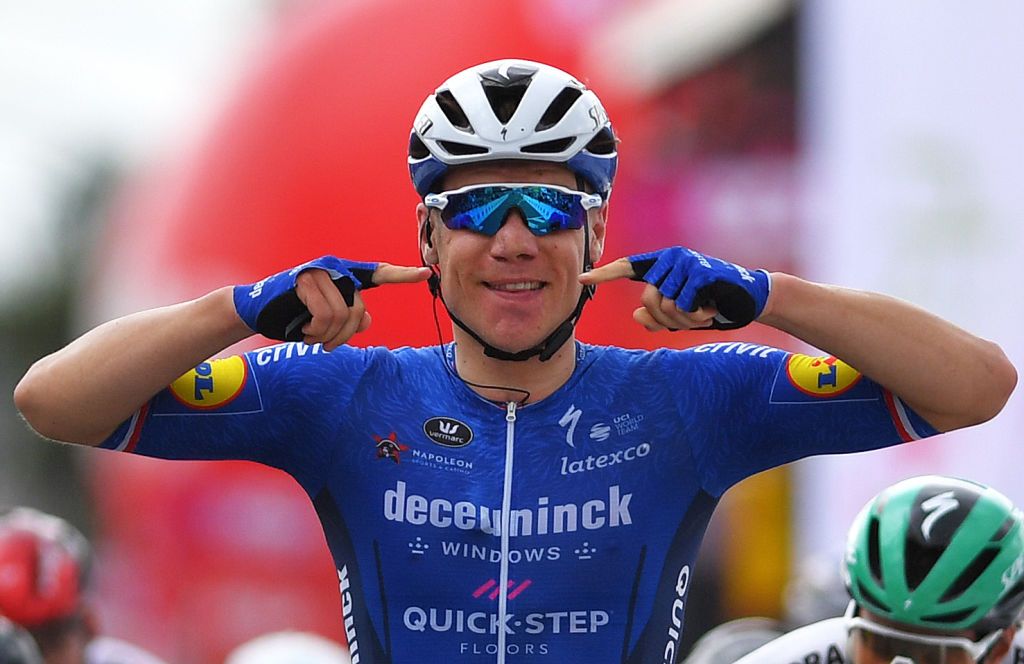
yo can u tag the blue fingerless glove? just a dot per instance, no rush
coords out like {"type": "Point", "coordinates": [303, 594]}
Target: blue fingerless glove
{"type": "Point", "coordinates": [694, 280]}
{"type": "Point", "coordinates": [271, 307]}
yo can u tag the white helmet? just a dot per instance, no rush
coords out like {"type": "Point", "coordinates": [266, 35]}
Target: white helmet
{"type": "Point", "coordinates": [289, 648]}
{"type": "Point", "coordinates": [512, 109]}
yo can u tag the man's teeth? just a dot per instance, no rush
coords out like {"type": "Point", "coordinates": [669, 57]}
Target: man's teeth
{"type": "Point", "coordinates": [518, 286]}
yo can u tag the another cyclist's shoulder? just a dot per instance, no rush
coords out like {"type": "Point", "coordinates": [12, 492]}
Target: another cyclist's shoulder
{"type": "Point", "coordinates": [822, 642]}
{"type": "Point", "coordinates": [107, 650]}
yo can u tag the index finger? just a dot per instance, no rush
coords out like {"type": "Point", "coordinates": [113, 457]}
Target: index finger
{"type": "Point", "coordinates": [618, 269]}
{"type": "Point", "coordinates": [399, 274]}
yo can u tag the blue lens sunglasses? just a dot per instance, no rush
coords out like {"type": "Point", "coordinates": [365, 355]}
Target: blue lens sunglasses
{"type": "Point", "coordinates": [483, 208]}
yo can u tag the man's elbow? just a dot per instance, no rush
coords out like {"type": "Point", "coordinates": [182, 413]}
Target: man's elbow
{"type": "Point", "coordinates": [1003, 382]}
{"type": "Point", "coordinates": [996, 386]}
{"type": "Point", "coordinates": [30, 400]}
{"type": "Point", "coordinates": [39, 406]}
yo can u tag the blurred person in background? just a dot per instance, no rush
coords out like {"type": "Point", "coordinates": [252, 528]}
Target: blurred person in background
{"type": "Point", "coordinates": [465, 503]}
{"type": "Point", "coordinates": [729, 641]}
{"type": "Point", "coordinates": [16, 645]}
{"type": "Point", "coordinates": [289, 648]}
{"type": "Point", "coordinates": [45, 565]}
{"type": "Point", "coordinates": [814, 593]}
{"type": "Point", "coordinates": [934, 568]}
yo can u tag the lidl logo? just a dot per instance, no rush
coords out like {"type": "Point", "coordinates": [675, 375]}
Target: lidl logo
{"type": "Point", "coordinates": [212, 384]}
{"type": "Point", "coordinates": [820, 376]}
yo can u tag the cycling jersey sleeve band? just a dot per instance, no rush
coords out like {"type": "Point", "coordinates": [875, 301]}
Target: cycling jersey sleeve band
{"type": "Point", "coordinates": [126, 436]}
{"type": "Point", "coordinates": [909, 424]}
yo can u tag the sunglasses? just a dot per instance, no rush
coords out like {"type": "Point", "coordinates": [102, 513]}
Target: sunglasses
{"type": "Point", "coordinates": [890, 645]}
{"type": "Point", "coordinates": [483, 208]}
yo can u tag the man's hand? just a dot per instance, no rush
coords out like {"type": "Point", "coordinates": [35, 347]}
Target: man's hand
{"type": "Point", "coordinates": [318, 301]}
{"type": "Point", "coordinates": [687, 290]}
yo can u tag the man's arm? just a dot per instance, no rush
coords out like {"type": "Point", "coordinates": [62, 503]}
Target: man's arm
{"type": "Point", "coordinates": [949, 376]}
{"type": "Point", "coordinates": [84, 391]}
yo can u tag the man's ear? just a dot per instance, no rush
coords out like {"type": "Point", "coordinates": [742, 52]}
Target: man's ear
{"type": "Point", "coordinates": [426, 235]}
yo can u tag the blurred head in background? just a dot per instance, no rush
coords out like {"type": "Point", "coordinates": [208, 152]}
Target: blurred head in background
{"type": "Point", "coordinates": [935, 567]}
{"type": "Point", "coordinates": [289, 648]}
{"type": "Point", "coordinates": [44, 567]}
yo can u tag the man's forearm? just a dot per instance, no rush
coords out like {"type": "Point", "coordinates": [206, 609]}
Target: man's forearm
{"type": "Point", "coordinates": [82, 392]}
{"type": "Point", "coordinates": [949, 376]}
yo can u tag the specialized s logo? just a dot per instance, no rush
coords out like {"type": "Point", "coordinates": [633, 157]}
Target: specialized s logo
{"type": "Point", "coordinates": [820, 376]}
{"type": "Point", "coordinates": [570, 420]}
{"type": "Point", "coordinates": [936, 507]}
{"type": "Point", "coordinates": [212, 384]}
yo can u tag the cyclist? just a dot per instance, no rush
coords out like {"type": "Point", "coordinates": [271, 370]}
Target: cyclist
{"type": "Point", "coordinates": [935, 569]}
{"type": "Point", "coordinates": [44, 571]}
{"type": "Point", "coordinates": [516, 495]}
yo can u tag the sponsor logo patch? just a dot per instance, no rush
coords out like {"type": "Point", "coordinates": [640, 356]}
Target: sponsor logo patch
{"type": "Point", "coordinates": [820, 376]}
{"type": "Point", "coordinates": [212, 384]}
{"type": "Point", "coordinates": [390, 448]}
{"type": "Point", "coordinates": [448, 432]}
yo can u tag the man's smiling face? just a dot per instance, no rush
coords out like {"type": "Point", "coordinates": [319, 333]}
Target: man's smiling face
{"type": "Point", "coordinates": [513, 288]}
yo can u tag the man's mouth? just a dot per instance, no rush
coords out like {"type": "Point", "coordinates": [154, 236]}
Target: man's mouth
{"type": "Point", "coordinates": [516, 286]}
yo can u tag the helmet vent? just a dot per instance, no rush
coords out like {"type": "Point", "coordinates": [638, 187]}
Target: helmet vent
{"type": "Point", "coordinates": [558, 108]}
{"type": "Point", "coordinates": [874, 551]}
{"type": "Point", "coordinates": [456, 148]}
{"type": "Point", "coordinates": [971, 574]}
{"type": "Point", "coordinates": [1003, 529]}
{"type": "Point", "coordinates": [452, 110]}
{"type": "Point", "coordinates": [871, 599]}
{"type": "Point", "coordinates": [920, 559]}
{"type": "Point", "coordinates": [1006, 611]}
{"type": "Point", "coordinates": [417, 150]}
{"type": "Point", "coordinates": [951, 618]}
{"type": "Point", "coordinates": [504, 98]}
{"type": "Point", "coordinates": [549, 147]}
{"type": "Point", "coordinates": [603, 143]}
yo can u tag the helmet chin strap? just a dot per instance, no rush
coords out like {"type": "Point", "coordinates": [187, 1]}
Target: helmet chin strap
{"type": "Point", "coordinates": [547, 348]}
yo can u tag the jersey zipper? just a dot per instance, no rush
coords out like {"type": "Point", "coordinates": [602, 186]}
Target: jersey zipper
{"type": "Point", "coordinates": [506, 523]}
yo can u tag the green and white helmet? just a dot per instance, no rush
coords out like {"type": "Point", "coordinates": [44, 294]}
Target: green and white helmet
{"type": "Point", "coordinates": [938, 553]}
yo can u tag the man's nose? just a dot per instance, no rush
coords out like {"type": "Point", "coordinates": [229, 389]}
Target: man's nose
{"type": "Point", "coordinates": [514, 237]}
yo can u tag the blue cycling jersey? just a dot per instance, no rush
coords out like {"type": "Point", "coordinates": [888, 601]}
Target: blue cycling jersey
{"type": "Point", "coordinates": [565, 530]}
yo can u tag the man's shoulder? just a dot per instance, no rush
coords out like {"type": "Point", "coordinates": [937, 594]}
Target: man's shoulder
{"type": "Point", "coordinates": [717, 356]}
{"type": "Point", "coordinates": [300, 355]}
{"type": "Point", "coordinates": [822, 642]}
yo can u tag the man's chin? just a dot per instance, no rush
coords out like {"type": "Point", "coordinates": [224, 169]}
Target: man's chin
{"type": "Point", "coordinates": [514, 336]}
